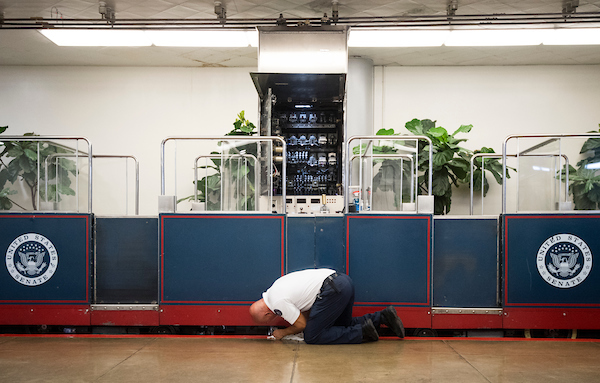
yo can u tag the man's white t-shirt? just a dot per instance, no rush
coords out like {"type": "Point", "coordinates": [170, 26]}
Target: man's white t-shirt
{"type": "Point", "coordinates": [295, 292]}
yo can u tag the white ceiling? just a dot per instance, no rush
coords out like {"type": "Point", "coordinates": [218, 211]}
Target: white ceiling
{"type": "Point", "coordinates": [29, 47]}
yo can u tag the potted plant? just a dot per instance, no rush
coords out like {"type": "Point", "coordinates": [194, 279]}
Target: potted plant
{"type": "Point", "coordinates": [209, 186]}
{"type": "Point", "coordinates": [18, 163]}
{"type": "Point", "coordinates": [450, 165]}
{"type": "Point", "coordinates": [584, 181]}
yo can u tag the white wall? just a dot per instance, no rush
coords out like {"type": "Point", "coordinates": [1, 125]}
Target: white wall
{"type": "Point", "coordinates": [498, 101]}
{"type": "Point", "coordinates": [130, 110]}
{"type": "Point", "coordinates": [125, 110]}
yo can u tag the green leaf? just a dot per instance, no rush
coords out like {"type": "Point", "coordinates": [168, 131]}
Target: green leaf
{"type": "Point", "coordinates": [427, 124]}
{"type": "Point", "coordinates": [15, 151]}
{"type": "Point", "coordinates": [463, 129]}
{"type": "Point", "coordinates": [31, 154]}
{"type": "Point", "coordinates": [594, 193]}
{"type": "Point", "coordinates": [246, 128]}
{"type": "Point", "coordinates": [460, 171]}
{"type": "Point", "coordinates": [485, 150]}
{"type": "Point", "coordinates": [6, 192]}
{"type": "Point", "coordinates": [441, 158]}
{"type": "Point", "coordinates": [3, 128]}
{"type": "Point", "coordinates": [440, 183]}
{"type": "Point", "coordinates": [438, 132]}
{"type": "Point", "coordinates": [590, 144]}
{"type": "Point", "coordinates": [385, 132]}
{"type": "Point", "coordinates": [415, 127]}
{"type": "Point", "coordinates": [62, 189]}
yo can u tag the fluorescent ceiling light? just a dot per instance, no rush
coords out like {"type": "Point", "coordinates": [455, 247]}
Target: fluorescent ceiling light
{"type": "Point", "coordinates": [97, 37]}
{"type": "Point", "coordinates": [357, 38]}
{"type": "Point", "coordinates": [396, 38]}
{"type": "Point", "coordinates": [206, 38]}
{"type": "Point", "coordinates": [573, 36]}
{"type": "Point", "coordinates": [495, 37]}
{"type": "Point", "coordinates": [473, 37]}
{"type": "Point", "coordinates": [170, 38]}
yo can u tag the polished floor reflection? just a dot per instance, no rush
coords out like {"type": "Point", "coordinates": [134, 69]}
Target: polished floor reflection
{"type": "Point", "coordinates": [255, 359]}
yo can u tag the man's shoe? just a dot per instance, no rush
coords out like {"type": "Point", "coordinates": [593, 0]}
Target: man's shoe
{"type": "Point", "coordinates": [369, 332]}
{"type": "Point", "coordinates": [390, 318]}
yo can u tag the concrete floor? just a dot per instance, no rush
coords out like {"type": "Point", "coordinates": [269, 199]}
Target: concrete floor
{"type": "Point", "coordinates": [211, 359]}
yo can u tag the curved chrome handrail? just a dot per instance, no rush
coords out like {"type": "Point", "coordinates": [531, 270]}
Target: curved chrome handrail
{"type": "Point", "coordinates": [224, 139]}
{"type": "Point", "coordinates": [137, 172]}
{"type": "Point", "coordinates": [549, 135]}
{"type": "Point", "coordinates": [48, 138]}
{"type": "Point", "coordinates": [384, 138]}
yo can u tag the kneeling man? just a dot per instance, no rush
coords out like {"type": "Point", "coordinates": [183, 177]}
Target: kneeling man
{"type": "Point", "coordinates": [319, 302]}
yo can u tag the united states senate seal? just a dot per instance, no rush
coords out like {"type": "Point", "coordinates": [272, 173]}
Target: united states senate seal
{"type": "Point", "coordinates": [31, 259]}
{"type": "Point", "coordinates": [564, 261]}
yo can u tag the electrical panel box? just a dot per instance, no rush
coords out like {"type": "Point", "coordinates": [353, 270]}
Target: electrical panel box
{"type": "Point", "coordinates": [307, 110]}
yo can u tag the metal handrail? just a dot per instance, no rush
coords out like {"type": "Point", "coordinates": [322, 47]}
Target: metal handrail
{"type": "Point", "coordinates": [498, 155]}
{"type": "Point", "coordinates": [386, 138]}
{"type": "Point", "coordinates": [224, 139]}
{"type": "Point", "coordinates": [137, 173]}
{"type": "Point", "coordinates": [508, 138]}
{"type": "Point", "coordinates": [402, 157]}
{"type": "Point", "coordinates": [39, 139]}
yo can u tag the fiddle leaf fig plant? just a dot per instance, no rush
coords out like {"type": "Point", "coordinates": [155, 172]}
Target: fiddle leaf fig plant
{"type": "Point", "coordinates": [450, 163]}
{"type": "Point", "coordinates": [584, 180]}
{"type": "Point", "coordinates": [19, 164]}
{"type": "Point", "coordinates": [209, 187]}
{"type": "Point", "coordinates": [492, 165]}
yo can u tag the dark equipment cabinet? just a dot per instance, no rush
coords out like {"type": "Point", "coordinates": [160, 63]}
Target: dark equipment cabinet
{"type": "Point", "coordinates": [307, 110]}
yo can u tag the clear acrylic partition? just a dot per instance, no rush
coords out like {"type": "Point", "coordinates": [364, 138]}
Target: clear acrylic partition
{"type": "Point", "coordinates": [26, 184]}
{"type": "Point", "coordinates": [540, 180]}
{"type": "Point", "coordinates": [540, 164]}
{"type": "Point", "coordinates": [221, 174]}
{"type": "Point", "coordinates": [116, 180]}
{"type": "Point", "coordinates": [382, 173]}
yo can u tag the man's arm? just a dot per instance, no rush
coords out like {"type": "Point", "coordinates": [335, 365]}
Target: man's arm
{"type": "Point", "coordinates": [298, 326]}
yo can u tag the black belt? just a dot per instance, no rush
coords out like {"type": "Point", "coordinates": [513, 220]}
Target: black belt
{"type": "Point", "coordinates": [329, 281]}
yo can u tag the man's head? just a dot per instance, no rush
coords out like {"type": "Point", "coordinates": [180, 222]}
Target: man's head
{"type": "Point", "coordinates": [261, 313]}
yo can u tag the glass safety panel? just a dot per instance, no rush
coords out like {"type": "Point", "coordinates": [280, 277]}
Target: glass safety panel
{"type": "Point", "coordinates": [43, 173]}
{"type": "Point", "coordinates": [553, 172]}
{"type": "Point", "coordinates": [227, 174]}
{"type": "Point", "coordinates": [383, 174]}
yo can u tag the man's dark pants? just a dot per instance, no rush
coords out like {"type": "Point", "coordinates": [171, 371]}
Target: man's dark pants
{"type": "Point", "coordinates": [330, 320]}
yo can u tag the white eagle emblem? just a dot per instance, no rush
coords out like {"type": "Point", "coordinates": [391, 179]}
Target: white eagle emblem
{"type": "Point", "coordinates": [31, 259]}
{"type": "Point", "coordinates": [31, 263]}
{"type": "Point", "coordinates": [564, 261]}
{"type": "Point", "coordinates": [564, 264]}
